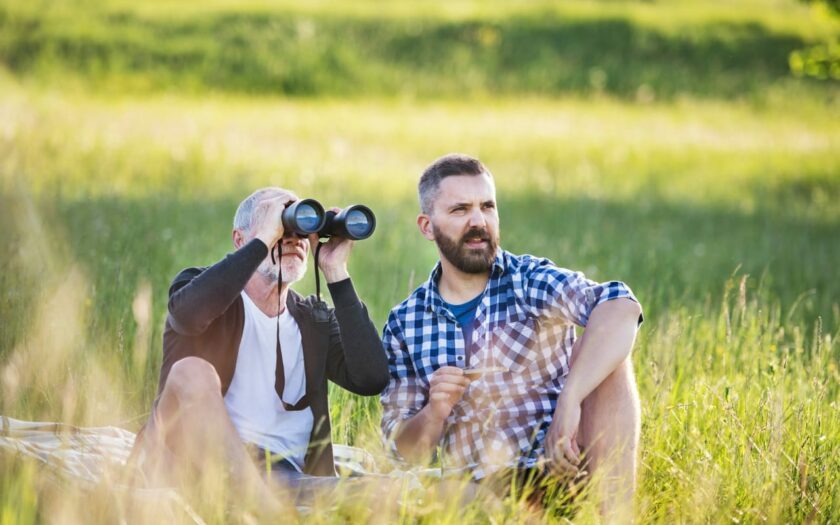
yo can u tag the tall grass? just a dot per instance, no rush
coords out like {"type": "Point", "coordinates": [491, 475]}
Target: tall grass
{"type": "Point", "coordinates": [105, 200]}
{"type": "Point", "coordinates": [714, 199]}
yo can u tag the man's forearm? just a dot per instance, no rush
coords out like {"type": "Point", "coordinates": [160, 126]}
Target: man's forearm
{"type": "Point", "coordinates": [605, 344]}
{"type": "Point", "coordinates": [356, 360]}
{"type": "Point", "coordinates": [418, 436]}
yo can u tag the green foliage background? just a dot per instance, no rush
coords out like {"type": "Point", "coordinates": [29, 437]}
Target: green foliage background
{"type": "Point", "coordinates": [666, 144]}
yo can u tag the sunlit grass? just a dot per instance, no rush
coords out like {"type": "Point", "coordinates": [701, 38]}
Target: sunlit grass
{"type": "Point", "coordinates": [105, 199]}
{"type": "Point", "coordinates": [601, 147]}
{"type": "Point", "coordinates": [718, 207]}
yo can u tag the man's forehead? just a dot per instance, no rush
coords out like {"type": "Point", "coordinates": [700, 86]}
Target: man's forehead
{"type": "Point", "coordinates": [467, 187]}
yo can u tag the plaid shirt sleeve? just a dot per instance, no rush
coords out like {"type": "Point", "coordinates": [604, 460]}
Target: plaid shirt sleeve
{"type": "Point", "coordinates": [405, 394]}
{"type": "Point", "coordinates": [555, 292]}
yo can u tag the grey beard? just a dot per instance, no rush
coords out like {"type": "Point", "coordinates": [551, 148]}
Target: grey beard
{"type": "Point", "coordinates": [272, 272]}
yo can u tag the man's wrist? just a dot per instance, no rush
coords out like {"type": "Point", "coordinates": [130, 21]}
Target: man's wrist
{"type": "Point", "coordinates": [433, 428]}
{"type": "Point", "coordinates": [430, 417]}
{"type": "Point", "coordinates": [268, 239]}
{"type": "Point", "coordinates": [334, 275]}
{"type": "Point", "coordinates": [569, 396]}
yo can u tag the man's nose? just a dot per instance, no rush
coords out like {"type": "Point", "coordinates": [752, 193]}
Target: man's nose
{"type": "Point", "coordinates": [477, 218]}
{"type": "Point", "coordinates": [291, 239]}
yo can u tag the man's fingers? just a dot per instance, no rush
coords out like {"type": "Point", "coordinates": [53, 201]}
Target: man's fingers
{"type": "Point", "coordinates": [452, 394]}
{"type": "Point", "coordinates": [568, 450]}
{"type": "Point", "coordinates": [451, 374]}
{"type": "Point", "coordinates": [445, 396]}
{"type": "Point", "coordinates": [548, 447]}
{"type": "Point", "coordinates": [447, 377]}
{"type": "Point", "coordinates": [560, 464]}
{"type": "Point", "coordinates": [460, 382]}
{"type": "Point", "coordinates": [267, 215]}
{"type": "Point", "coordinates": [449, 387]}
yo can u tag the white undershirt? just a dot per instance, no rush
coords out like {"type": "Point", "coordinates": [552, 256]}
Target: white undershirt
{"type": "Point", "coordinates": [251, 400]}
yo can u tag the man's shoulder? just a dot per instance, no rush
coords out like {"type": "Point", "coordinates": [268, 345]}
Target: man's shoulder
{"type": "Point", "coordinates": [526, 271]}
{"type": "Point", "coordinates": [189, 273]}
{"type": "Point", "coordinates": [185, 276]}
{"type": "Point", "coordinates": [411, 304]}
{"type": "Point", "coordinates": [524, 263]}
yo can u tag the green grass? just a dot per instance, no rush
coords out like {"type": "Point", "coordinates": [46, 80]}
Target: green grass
{"type": "Point", "coordinates": [715, 200]}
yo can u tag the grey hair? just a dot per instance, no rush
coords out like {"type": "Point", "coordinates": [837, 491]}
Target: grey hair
{"type": "Point", "coordinates": [446, 166]}
{"type": "Point", "coordinates": [244, 218]}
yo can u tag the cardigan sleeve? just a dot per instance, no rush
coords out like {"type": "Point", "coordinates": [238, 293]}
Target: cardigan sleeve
{"type": "Point", "coordinates": [198, 296]}
{"type": "Point", "coordinates": [356, 360]}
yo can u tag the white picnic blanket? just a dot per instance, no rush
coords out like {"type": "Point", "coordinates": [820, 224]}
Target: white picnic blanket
{"type": "Point", "coordinates": [80, 453]}
{"type": "Point", "coordinates": [86, 453]}
{"type": "Point", "coordinates": [90, 455]}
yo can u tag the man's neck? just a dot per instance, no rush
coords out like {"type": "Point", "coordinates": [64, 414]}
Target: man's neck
{"type": "Point", "coordinates": [263, 292]}
{"type": "Point", "coordinates": [458, 287]}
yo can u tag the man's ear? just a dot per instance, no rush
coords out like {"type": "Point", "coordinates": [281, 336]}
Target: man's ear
{"type": "Point", "coordinates": [238, 239]}
{"type": "Point", "coordinates": [424, 222]}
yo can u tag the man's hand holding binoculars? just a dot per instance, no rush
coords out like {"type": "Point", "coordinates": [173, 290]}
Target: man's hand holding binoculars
{"type": "Point", "coordinates": [268, 220]}
{"type": "Point", "coordinates": [333, 256]}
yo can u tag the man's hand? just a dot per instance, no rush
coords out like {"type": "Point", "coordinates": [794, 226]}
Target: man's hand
{"type": "Point", "coordinates": [605, 343]}
{"type": "Point", "coordinates": [267, 222]}
{"type": "Point", "coordinates": [446, 387]}
{"type": "Point", "coordinates": [333, 256]}
{"type": "Point", "coordinates": [419, 435]}
{"type": "Point", "coordinates": [561, 446]}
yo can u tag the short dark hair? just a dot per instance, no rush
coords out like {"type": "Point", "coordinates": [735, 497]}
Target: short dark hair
{"type": "Point", "coordinates": [446, 166]}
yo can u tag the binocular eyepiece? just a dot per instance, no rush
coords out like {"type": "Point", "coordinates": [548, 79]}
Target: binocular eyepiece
{"type": "Point", "coordinates": [307, 216]}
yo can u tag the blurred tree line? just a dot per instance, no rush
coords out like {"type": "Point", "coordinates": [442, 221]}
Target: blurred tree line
{"type": "Point", "coordinates": [821, 61]}
{"type": "Point", "coordinates": [834, 5]}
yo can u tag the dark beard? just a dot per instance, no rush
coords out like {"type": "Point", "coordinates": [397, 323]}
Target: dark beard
{"type": "Point", "coordinates": [466, 259]}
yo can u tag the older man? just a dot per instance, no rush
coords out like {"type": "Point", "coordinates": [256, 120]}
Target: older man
{"type": "Point", "coordinates": [483, 359]}
{"type": "Point", "coordinates": [246, 359]}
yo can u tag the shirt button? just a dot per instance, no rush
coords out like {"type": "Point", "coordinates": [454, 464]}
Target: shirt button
{"type": "Point", "coordinates": [460, 358]}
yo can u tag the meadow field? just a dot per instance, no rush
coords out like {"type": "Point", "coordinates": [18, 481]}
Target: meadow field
{"type": "Point", "coordinates": [667, 145]}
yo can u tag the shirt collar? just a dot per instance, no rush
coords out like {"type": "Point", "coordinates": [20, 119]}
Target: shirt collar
{"type": "Point", "coordinates": [433, 299]}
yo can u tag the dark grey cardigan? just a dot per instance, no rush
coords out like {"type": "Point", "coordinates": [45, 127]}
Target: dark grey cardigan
{"type": "Point", "coordinates": [207, 316]}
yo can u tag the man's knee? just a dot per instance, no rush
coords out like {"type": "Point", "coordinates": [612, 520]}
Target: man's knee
{"type": "Point", "coordinates": [613, 408]}
{"type": "Point", "coordinates": [619, 388]}
{"type": "Point", "coordinates": [193, 379]}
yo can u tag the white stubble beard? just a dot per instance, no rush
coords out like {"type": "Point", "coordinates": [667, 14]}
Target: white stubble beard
{"type": "Point", "coordinates": [293, 269]}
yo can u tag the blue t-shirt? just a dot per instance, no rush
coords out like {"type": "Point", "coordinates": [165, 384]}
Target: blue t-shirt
{"type": "Point", "coordinates": [465, 314]}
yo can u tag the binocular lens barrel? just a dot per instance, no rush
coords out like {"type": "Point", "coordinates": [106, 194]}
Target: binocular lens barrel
{"type": "Point", "coordinates": [304, 217]}
{"type": "Point", "coordinates": [307, 216]}
{"type": "Point", "coordinates": [355, 222]}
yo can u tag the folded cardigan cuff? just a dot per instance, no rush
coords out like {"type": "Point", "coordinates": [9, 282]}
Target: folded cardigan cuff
{"type": "Point", "coordinates": [343, 293]}
{"type": "Point", "coordinates": [255, 248]}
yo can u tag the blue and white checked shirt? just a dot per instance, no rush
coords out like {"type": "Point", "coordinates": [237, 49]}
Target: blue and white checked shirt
{"type": "Point", "coordinates": [524, 324]}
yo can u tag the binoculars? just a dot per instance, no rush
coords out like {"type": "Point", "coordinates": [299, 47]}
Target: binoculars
{"type": "Point", "coordinates": [307, 216]}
